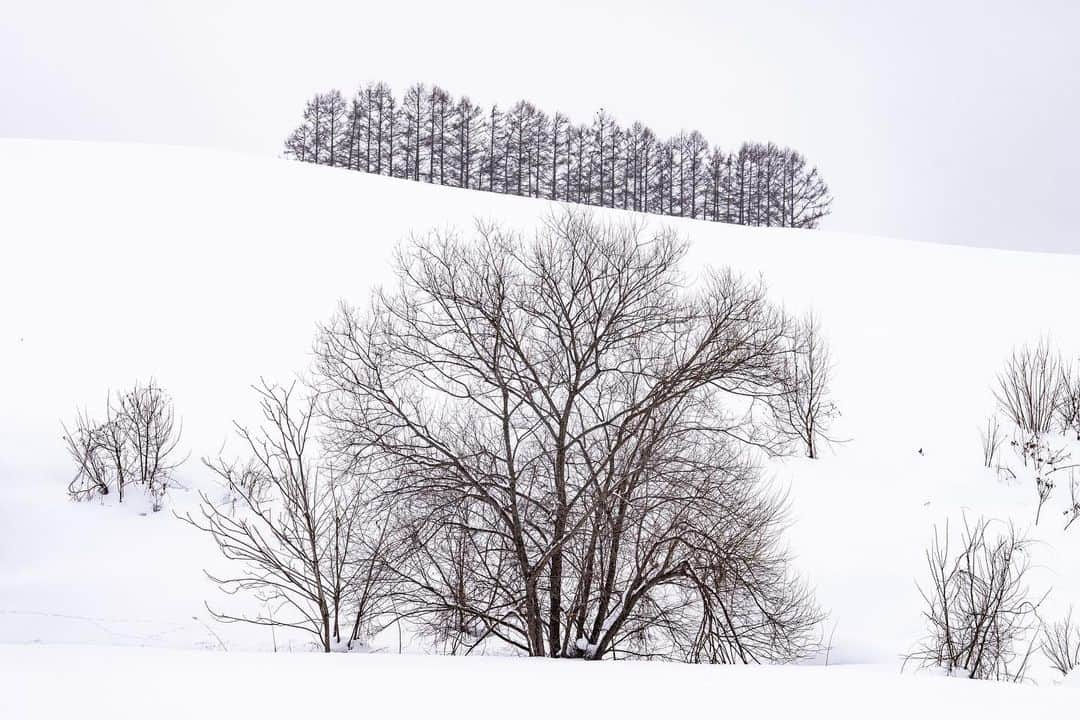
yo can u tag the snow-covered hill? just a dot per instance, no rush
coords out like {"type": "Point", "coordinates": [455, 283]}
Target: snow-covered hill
{"type": "Point", "coordinates": [208, 271]}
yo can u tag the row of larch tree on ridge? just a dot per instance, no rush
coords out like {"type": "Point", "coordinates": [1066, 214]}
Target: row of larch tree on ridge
{"type": "Point", "coordinates": [430, 136]}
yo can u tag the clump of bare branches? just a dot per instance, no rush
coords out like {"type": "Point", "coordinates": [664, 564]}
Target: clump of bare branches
{"type": "Point", "coordinates": [978, 609]}
{"type": "Point", "coordinates": [566, 432]}
{"type": "Point", "coordinates": [992, 439]}
{"type": "Point", "coordinates": [1061, 644]}
{"type": "Point", "coordinates": [307, 548]}
{"type": "Point", "coordinates": [96, 470]}
{"type": "Point", "coordinates": [1073, 511]}
{"type": "Point", "coordinates": [804, 411]}
{"type": "Point", "coordinates": [135, 445]}
{"type": "Point", "coordinates": [1029, 389]}
{"type": "Point", "coordinates": [1041, 461]}
{"type": "Point", "coordinates": [1038, 392]}
{"type": "Point", "coordinates": [1068, 413]}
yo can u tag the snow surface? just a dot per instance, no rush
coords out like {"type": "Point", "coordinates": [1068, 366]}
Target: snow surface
{"type": "Point", "coordinates": [138, 683]}
{"type": "Point", "coordinates": [209, 270]}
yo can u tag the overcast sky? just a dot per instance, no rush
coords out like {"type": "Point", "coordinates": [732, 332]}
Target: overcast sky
{"type": "Point", "coordinates": [941, 121]}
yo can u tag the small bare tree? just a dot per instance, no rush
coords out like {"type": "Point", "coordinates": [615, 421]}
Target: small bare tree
{"type": "Point", "coordinates": [978, 608]}
{"type": "Point", "coordinates": [299, 533]}
{"type": "Point", "coordinates": [1061, 644]}
{"type": "Point", "coordinates": [1029, 389]}
{"type": "Point", "coordinates": [804, 410]}
{"type": "Point", "coordinates": [94, 473]}
{"type": "Point", "coordinates": [135, 445]}
{"type": "Point", "coordinates": [151, 436]}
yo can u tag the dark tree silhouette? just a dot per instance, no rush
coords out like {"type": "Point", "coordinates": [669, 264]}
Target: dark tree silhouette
{"type": "Point", "coordinates": [430, 136]}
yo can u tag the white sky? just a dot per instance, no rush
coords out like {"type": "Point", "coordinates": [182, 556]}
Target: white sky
{"type": "Point", "coordinates": [942, 121]}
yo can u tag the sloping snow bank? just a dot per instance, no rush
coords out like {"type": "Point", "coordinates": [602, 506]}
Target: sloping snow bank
{"type": "Point", "coordinates": [208, 270]}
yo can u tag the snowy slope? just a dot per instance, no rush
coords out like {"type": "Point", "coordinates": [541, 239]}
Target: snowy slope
{"type": "Point", "coordinates": [209, 270]}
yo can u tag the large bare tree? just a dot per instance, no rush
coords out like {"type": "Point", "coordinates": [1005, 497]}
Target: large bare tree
{"type": "Point", "coordinates": [564, 431]}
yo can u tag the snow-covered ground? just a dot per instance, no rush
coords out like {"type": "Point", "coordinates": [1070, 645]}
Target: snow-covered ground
{"type": "Point", "coordinates": [209, 270]}
{"type": "Point", "coordinates": [74, 681]}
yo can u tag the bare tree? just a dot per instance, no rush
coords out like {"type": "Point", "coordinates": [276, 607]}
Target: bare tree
{"type": "Point", "coordinates": [1061, 644]}
{"type": "Point", "coordinates": [565, 432]}
{"type": "Point", "coordinates": [804, 410]}
{"type": "Point", "coordinates": [302, 542]}
{"type": "Point", "coordinates": [136, 444]}
{"type": "Point", "coordinates": [151, 434]}
{"type": "Point", "coordinates": [1028, 390]}
{"type": "Point", "coordinates": [978, 608]}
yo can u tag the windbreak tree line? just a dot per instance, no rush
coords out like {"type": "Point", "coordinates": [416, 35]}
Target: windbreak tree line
{"type": "Point", "coordinates": [430, 136]}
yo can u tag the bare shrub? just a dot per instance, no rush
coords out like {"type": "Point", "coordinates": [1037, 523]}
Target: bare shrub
{"type": "Point", "coordinates": [135, 444]}
{"type": "Point", "coordinates": [804, 411]}
{"type": "Point", "coordinates": [1061, 644]}
{"type": "Point", "coordinates": [992, 439]}
{"type": "Point", "coordinates": [565, 432]}
{"type": "Point", "coordinates": [300, 534]}
{"type": "Point", "coordinates": [1041, 463]}
{"type": "Point", "coordinates": [1073, 511]}
{"type": "Point", "coordinates": [978, 609]}
{"type": "Point", "coordinates": [94, 473]}
{"type": "Point", "coordinates": [151, 436]}
{"type": "Point", "coordinates": [1029, 389]}
{"type": "Point", "coordinates": [1068, 414]}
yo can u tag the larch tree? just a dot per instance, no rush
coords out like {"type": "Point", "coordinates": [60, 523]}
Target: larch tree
{"type": "Point", "coordinates": [429, 136]}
